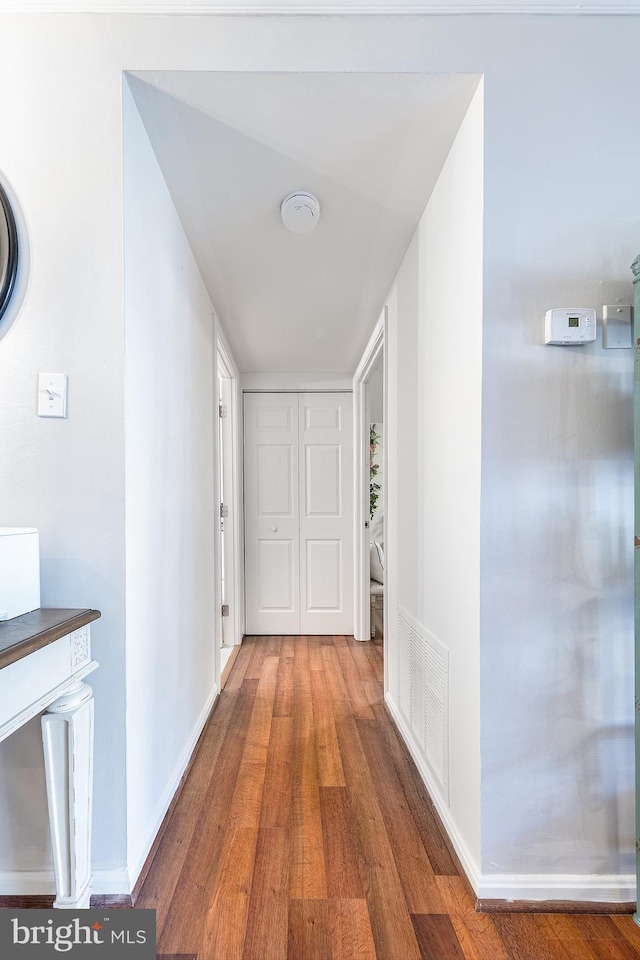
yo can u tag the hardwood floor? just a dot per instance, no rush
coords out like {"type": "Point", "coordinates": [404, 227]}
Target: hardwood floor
{"type": "Point", "coordinates": [303, 832]}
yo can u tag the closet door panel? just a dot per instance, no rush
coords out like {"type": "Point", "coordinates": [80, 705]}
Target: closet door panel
{"type": "Point", "coordinates": [298, 513]}
{"type": "Point", "coordinates": [326, 514]}
{"type": "Point", "coordinates": [272, 541]}
{"type": "Point", "coordinates": [322, 471]}
{"type": "Point", "coordinates": [275, 475]}
{"type": "Point", "coordinates": [276, 587]}
{"type": "Point", "coordinates": [324, 576]}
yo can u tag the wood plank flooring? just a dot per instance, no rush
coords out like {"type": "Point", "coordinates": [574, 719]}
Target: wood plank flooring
{"type": "Point", "coordinates": [303, 832]}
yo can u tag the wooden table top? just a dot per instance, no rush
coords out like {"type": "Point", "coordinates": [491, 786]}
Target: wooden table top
{"type": "Point", "coordinates": [23, 635]}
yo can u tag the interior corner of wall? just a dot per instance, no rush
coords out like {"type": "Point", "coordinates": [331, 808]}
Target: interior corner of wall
{"type": "Point", "coordinates": [112, 882]}
{"type": "Point", "coordinates": [468, 859]}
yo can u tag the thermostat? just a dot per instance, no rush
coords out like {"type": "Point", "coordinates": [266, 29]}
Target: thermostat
{"type": "Point", "coordinates": [570, 325]}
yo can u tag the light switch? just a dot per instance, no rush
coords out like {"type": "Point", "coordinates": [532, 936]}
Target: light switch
{"type": "Point", "coordinates": [52, 395]}
{"type": "Point", "coordinates": [616, 327]}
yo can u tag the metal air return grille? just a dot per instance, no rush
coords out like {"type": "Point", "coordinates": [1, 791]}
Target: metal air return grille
{"type": "Point", "coordinates": [424, 693]}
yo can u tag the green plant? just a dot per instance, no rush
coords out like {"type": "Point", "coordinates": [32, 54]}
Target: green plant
{"type": "Point", "coordinates": [374, 488]}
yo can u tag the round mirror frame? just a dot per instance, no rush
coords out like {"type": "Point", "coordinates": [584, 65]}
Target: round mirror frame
{"type": "Point", "coordinates": [8, 251]}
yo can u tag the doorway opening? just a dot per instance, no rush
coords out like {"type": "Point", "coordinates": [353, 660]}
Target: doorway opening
{"type": "Point", "coordinates": [228, 602]}
{"type": "Point", "coordinates": [369, 389]}
{"type": "Point", "coordinates": [377, 485]}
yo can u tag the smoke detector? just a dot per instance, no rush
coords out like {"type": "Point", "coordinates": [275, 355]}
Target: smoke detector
{"type": "Point", "coordinates": [300, 212]}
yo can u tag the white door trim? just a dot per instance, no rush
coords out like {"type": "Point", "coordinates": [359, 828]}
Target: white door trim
{"type": "Point", "coordinates": [370, 360]}
{"type": "Point", "coordinates": [233, 522]}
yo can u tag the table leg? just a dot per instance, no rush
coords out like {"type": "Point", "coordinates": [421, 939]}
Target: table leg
{"type": "Point", "coordinates": [67, 736]}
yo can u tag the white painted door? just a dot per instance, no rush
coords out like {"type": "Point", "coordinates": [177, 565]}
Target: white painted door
{"type": "Point", "coordinates": [272, 523]}
{"type": "Point", "coordinates": [298, 513]}
{"type": "Point", "coordinates": [326, 513]}
{"type": "Point", "coordinates": [226, 513]}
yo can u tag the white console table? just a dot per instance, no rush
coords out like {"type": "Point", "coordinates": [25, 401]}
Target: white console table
{"type": "Point", "coordinates": [44, 657]}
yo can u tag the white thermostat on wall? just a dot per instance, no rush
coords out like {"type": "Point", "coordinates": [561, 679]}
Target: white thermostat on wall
{"type": "Point", "coordinates": [569, 325]}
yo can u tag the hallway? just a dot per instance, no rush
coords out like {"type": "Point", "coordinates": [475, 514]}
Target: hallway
{"type": "Point", "coordinates": [303, 832]}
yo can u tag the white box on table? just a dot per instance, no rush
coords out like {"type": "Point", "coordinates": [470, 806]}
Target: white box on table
{"type": "Point", "coordinates": [19, 571]}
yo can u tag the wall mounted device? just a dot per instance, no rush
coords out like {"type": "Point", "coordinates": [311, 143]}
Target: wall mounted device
{"type": "Point", "coordinates": [616, 326]}
{"type": "Point", "coordinates": [52, 395]}
{"type": "Point", "coordinates": [569, 326]}
{"type": "Point", "coordinates": [300, 212]}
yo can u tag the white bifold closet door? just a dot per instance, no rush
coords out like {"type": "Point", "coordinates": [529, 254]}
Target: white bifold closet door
{"type": "Point", "coordinates": [298, 490]}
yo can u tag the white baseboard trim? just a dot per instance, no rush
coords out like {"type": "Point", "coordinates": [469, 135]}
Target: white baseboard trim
{"type": "Point", "coordinates": [589, 888]}
{"type": "Point", "coordinates": [140, 854]}
{"type": "Point", "coordinates": [106, 882]}
{"type": "Point", "coordinates": [27, 883]}
{"type": "Point", "coordinates": [41, 883]}
{"type": "Point", "coordinates": [469, 864]}
{"type": "Point", "coordinates": [582, 888]}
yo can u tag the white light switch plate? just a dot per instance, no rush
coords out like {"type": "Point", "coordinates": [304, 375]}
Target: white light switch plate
{"type": "Point", "coordinates": [616, 326]}
{"type": "Point", "coordinates": [52, 395]}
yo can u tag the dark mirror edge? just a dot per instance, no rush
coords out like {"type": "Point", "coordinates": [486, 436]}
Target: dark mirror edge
{"type": "Point", "coordinates": [8, 283]}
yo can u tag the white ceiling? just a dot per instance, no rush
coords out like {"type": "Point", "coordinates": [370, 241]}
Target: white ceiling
{"type": "Point", "coordinates": [314, 7]}
{"type": "Point", "coordinates": [232, 145]}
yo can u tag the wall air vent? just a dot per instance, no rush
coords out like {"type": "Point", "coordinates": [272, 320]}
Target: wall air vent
{"type": "Point", "coordinates": [424, 693]}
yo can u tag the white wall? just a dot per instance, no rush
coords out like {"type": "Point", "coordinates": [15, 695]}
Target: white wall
{"type": "Point", "coordinates": [62, 155]}
{"type": "Point", "coordinates": [170, 374]}
{"type": "Point", "coordinates": [304, 382]}
{"type": "Point", "coordinates": [376, 396]}
{"type": "Point", "coordinates": [561, 226]}
{"type": "Point", "coordinates": [435, 371]}
{"type": "Point", "coordinates": [556, 660]}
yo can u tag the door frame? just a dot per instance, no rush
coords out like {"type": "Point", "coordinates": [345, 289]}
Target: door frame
{"type": "Point", "coordinates": [374, 353]}
{"type": "Point", "coordinates": [234, 569]}
{"type": "Point", "coordinates": [635, 267]}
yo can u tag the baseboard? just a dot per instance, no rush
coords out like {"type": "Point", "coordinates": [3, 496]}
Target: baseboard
{"type": "Point", "coordinates": [224, 676]}
{"type": "Point", "coordinates": [27, 883]}
{"type": "Point", "coordinates": [510, 892]}
{"type": "Point", "coordinates": [530, 893]}
{"type": "Point", "coordinates": [463, 853]}
{"type": "Point", "coordinates": [40, 884]}
{"type": "Point", "coordinates": [139, 861]}
{"type": "Point", "coordinates": [111, 883]}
